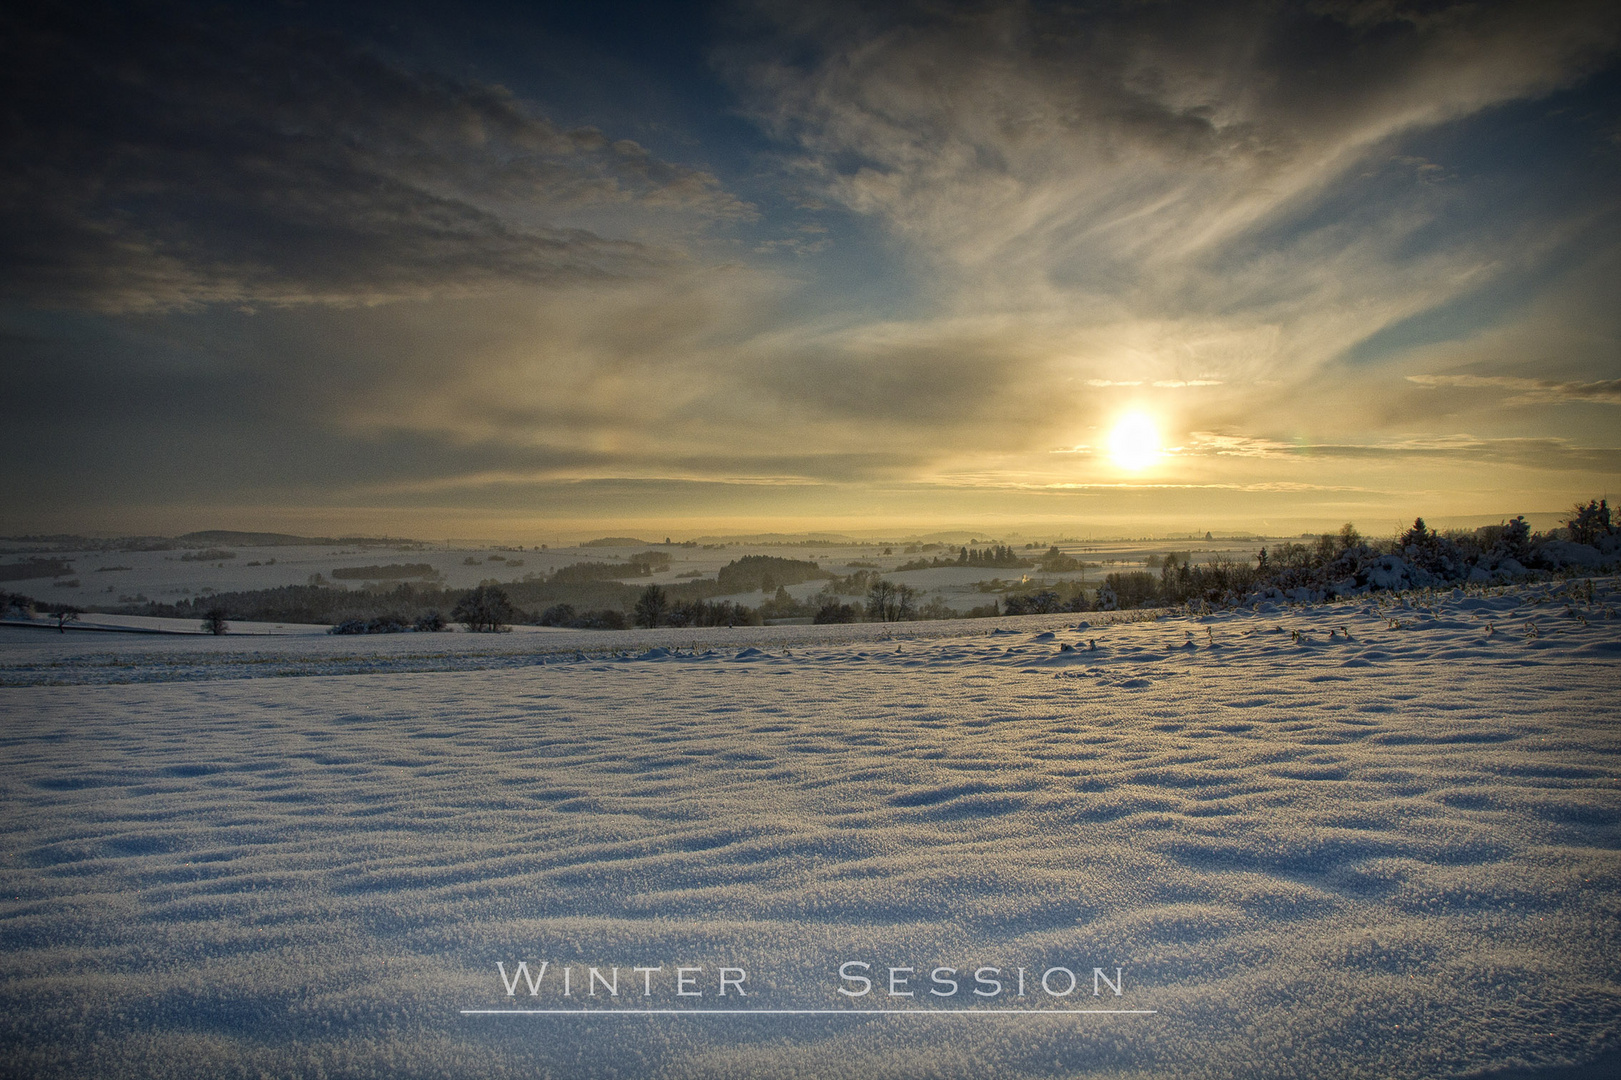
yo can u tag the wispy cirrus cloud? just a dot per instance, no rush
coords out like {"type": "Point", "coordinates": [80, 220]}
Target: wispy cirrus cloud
{"type": "Point", "coordinates": [1524, 391]}
{"type": "Point", "coordinates": [1175, 168]}
{"type": "Point", "coordinates": [1545, 452]}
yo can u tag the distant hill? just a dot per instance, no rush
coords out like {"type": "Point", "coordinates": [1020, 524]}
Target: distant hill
{"type": "Point", "coordinates": [618, 541]}
{"type": "Point", "coordinates": [814, 539]}
{"type": "Point", "coordinates": [268, 539]}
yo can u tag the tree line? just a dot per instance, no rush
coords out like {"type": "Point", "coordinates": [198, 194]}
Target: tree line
{"type": "Point", "coordinates": [1333, 563]}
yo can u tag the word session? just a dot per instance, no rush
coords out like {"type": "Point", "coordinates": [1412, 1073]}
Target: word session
{"type": "Point", "coordinates": [988, 982]}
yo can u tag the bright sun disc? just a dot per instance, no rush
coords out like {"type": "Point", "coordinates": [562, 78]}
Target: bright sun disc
{"type": "Point", "coordinates": [1134, 443]}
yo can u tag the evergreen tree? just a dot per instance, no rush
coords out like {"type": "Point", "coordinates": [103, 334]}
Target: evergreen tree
{"type": "Point", "coordinates": [650, 606]}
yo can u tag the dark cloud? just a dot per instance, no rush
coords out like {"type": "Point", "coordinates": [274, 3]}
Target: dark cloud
{"type": "Point", "coordinates": [161, 155]}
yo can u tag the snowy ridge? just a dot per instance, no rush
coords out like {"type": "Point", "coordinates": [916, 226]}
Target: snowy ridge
{"type": "Point", "coordinates": [1388, 854]}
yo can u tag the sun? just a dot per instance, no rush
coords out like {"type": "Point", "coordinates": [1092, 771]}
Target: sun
{"type": "Point", "coordinates": [1134, 443]}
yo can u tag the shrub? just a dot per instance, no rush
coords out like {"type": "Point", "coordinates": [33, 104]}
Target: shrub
{"type": "Point", "coordinates": [558, 615]}
{"type": "Point", "coordinates": [382, 624]}
{"type": "Point", "coordinates": [1045, 602]}
{"type": "Point", "coordinates": [429, 622]}
{"type": "Point", "coordinates": [701, 613]}
{"type": "Point", "coordinates": [1516, 539]}
{"type": "Point", "coordinates": [207, 555]}
{"type": "Point", "coordinates": [606, 619]}
{"type": "Point", "coordinates": [835, 612]}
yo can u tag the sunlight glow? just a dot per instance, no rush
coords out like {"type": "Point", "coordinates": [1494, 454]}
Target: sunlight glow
{"type": "Point", "coordinates": [1134, 443]}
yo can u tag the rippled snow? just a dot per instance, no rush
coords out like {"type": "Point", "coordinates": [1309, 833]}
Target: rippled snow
{"type": "Point", "coordinates": [1387, 854]}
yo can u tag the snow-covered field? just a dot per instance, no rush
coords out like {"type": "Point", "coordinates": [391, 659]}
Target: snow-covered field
{"type": "Point", "coordinates": [1362, 839]}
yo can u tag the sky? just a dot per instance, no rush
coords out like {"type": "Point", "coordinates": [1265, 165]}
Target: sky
{"type": "Point", "coordinates": [532, 272]}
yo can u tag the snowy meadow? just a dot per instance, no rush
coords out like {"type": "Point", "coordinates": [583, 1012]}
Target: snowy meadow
{"type": "Point", "coordinates": [1373, 838]}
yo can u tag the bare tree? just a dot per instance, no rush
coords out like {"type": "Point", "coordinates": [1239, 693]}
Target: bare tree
{"type": "Point", "coordinates": [889, 602]}
{"type": "Point", "coordinates": [214, 621]}
{"type": "Point", "coordinates": [487, 609]}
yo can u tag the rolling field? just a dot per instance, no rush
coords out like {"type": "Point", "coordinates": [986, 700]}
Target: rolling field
{"type": "Point", "coordinates": [1351, 840]}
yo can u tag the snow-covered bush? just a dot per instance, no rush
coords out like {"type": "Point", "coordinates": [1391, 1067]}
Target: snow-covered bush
{"type": "Point", "coordinates": [1344, 564]}
{"type": "Point", "coordinates": [1590, 524]}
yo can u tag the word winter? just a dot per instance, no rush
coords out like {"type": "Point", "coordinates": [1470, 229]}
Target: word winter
{"type": "Point", "coordinates": [987, 982]}
{"type": "Point", "coordinates": [687, 981]}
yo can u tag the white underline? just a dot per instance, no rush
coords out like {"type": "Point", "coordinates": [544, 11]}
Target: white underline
{"type": "Point", "coordinates": [809, 1012]}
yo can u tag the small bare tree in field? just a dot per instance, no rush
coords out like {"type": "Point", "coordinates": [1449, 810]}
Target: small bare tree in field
{"type": "Point", "coordinates": [486, 609]}
{"type": "Point", "coordinates": [889, 602]}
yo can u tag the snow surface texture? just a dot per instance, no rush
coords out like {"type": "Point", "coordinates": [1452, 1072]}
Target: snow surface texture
{"type": "Point", "coordinates": [1391, 853]}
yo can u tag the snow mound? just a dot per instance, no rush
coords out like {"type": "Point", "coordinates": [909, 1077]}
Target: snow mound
{"type": "Point", "coordinates": [1561, 553]}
